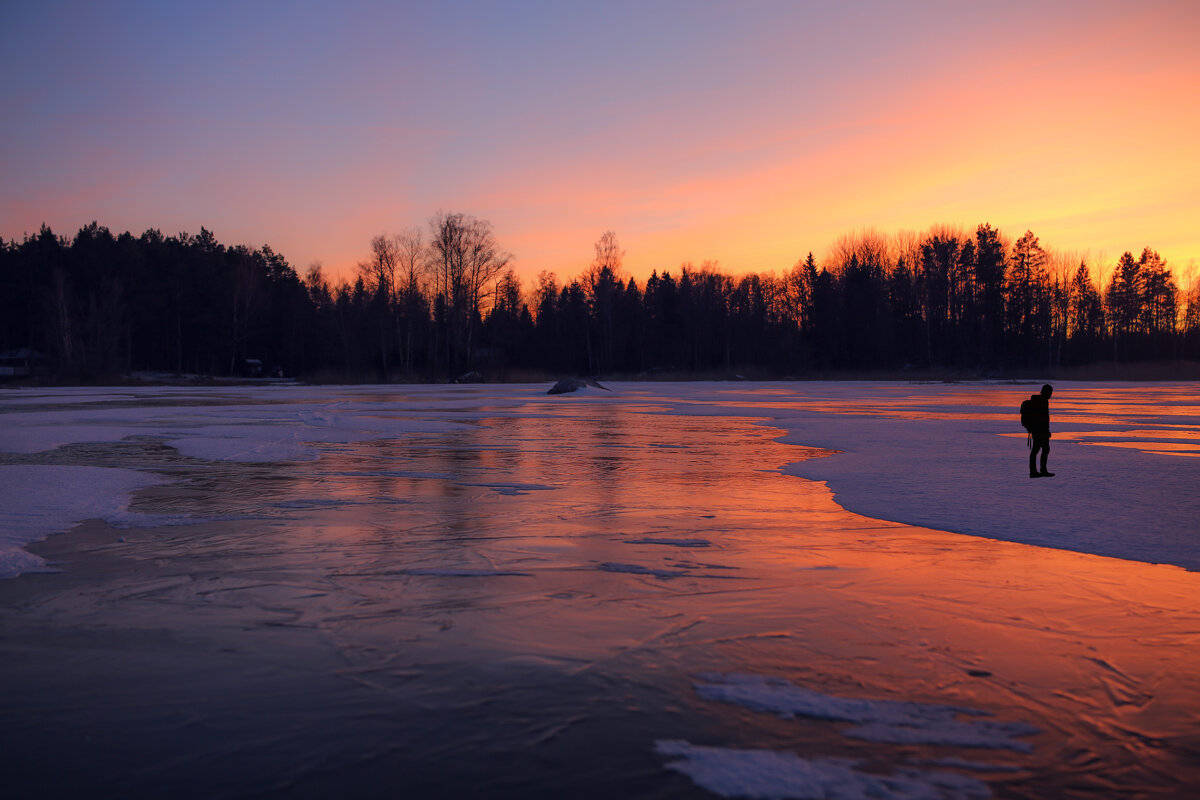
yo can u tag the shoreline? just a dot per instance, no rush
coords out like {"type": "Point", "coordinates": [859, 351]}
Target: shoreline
{"type": "Point", "coordinates": [1133, 372]}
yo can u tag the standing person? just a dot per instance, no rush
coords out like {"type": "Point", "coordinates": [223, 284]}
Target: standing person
{"type": "Point", "coordinates": [1035, 416]}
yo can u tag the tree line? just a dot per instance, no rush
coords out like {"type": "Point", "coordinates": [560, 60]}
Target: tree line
{"type": "Point", "coordinates": [445, 302]}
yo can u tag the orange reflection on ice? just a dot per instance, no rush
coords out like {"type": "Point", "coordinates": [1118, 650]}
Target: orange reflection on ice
{"type": "Point", "coordinates": [623, 540]}
{"type": "Point", "coordinates": [566, 568]}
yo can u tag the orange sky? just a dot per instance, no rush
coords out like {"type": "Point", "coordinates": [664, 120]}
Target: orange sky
{"type": "Point", "coordinates": [743, 133]}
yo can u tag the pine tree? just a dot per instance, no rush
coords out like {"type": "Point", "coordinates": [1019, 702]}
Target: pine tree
{"type": "Point", "coordinates": [1028, 298]}
{"type": "Point", "coordinates": [1123, 301]}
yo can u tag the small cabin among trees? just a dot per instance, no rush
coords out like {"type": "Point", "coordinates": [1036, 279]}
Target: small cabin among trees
{"type": "Point", "coordinates": [250, 368]}
{"type": "Point", "coordinates": [23, 362]}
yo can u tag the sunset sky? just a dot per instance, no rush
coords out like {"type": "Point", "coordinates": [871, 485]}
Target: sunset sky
{"type": "Point", "coordinates": [743, 132]}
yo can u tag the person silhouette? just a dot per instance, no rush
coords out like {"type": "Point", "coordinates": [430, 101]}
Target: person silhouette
{"type": "Point", "coordinates": [1035, 416]}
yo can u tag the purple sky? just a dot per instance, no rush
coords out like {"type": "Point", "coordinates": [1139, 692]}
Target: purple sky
{"type": "Point", "coordinates": [745, 132]}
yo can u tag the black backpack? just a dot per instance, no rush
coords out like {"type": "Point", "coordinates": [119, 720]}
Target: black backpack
{"type": "Point", "coordinates": [1026, 413]}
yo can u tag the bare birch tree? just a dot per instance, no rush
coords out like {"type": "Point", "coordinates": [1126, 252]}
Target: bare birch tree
{"type": "Point", "coordinates": [379, 271]}
{"type": "Point", "coordinates": [464, 260]}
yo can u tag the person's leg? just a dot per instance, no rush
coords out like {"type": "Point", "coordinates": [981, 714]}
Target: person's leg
{"type": "Point", "coordinates": [1033, 452]}
{"type": "Point", "coordinates": [1045, 453]}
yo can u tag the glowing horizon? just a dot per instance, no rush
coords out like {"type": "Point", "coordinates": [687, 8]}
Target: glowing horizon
{"type": "Point", "coordinates": [742, 134]}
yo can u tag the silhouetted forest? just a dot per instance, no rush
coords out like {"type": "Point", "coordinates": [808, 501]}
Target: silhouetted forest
{"type": "Point", "coordinates": [444, 301]}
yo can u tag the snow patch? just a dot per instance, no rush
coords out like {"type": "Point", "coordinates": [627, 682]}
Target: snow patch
{"type": "Point", "coordinates": [730, 772]}
{"type": "Point", "coordinates": [20, 434]}
{"type": "Point", "coordinates": [39, 500]}
{"type": "Point", "coordinates": [891, 721]}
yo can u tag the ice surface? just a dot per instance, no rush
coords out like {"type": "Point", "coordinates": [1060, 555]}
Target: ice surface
{"type": "Point", "coordinates": [451, 572]}
{"type": "Point", "coordinates": [671, 542]}
{"type": "Point", "coordinates": [408, 571]}
{"type": "Point", "coordinates": [242, 431]}
{"type": "Point", "coordinates": [954, 458]}
{"type": "Point", "coordinates": [963, 476]}
{"type": "Point", "coordinates": [638, 569]}
{"type": "Point", "coordinates": [974, 766]}
{"type": "Point", "coordinates": [38, 500]}
{"type": "Point", "coordinates": [894, 721]}
{"type": "Point", "coordinates": [944, 457]}
{"type": "Point", "coordinates": [129, 520]}
{"type": "Point", "coordinates": [509, 489]}
{"type": "Point", "coordinates": [731, 772]}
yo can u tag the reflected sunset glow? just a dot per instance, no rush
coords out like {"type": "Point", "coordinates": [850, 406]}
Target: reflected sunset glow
{"type": "Point", "coordinates": [620, 539]}
{"type": "Point", "coordinates": [548, 583]}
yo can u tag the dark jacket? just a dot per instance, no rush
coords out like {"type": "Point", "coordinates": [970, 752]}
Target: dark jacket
{"type": "Point", "coordinates": [1037, 420]}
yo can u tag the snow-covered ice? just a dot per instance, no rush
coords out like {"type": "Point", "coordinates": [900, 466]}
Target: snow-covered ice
{"type": "Point", "coordinates": [896, 721]}
{"type": "Point", "coordinates": [539, 580]}
{"type": "Point", "coordinates": [38, 500]}
{"type": "Point", "coordinates": [948, 457]}
{"type": "Point", "coordinates": [775, 775]}
{"type": "Point", "coordinates": [953, 457]}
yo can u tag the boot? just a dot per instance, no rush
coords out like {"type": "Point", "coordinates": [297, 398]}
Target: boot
{"type": "Point", "coordinates": [1044, 474]}
{"type": "Point", "coordinates": [1033, 473]}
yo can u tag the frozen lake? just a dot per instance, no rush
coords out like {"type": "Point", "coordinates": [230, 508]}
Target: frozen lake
{"type": "Point", "coordinates": [669, 590]}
